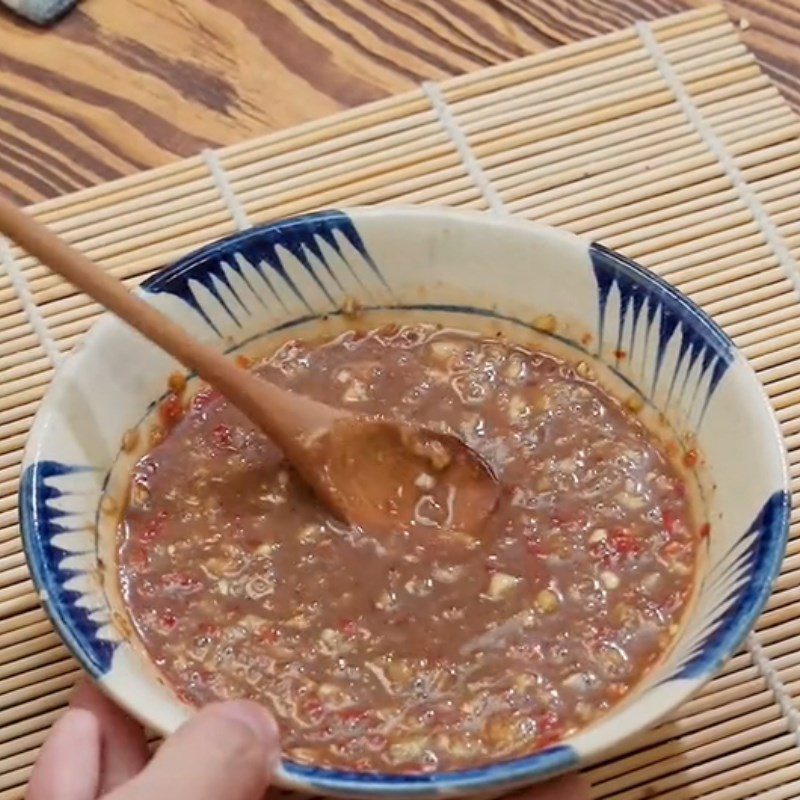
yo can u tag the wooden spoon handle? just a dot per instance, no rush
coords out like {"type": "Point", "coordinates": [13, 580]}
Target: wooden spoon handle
{"type": "Point", "coordinates": [265, 404]}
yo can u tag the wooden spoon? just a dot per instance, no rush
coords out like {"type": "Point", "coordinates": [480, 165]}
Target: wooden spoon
{"type": "Point", "coordinates": [373, 473]}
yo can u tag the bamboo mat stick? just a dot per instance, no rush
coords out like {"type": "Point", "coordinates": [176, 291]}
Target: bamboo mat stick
{"type": "Point", "coordinates": [662, 742]}
{"type": "Point", "coordinates": [41, 640]}
{"type": "Point", "coordinates": [733, 782]}
{"type": "Point", "coordinates": [788, 789]}
{"type": "Point", "coordinates": [671, 773]}
{"type": "Point", "coordinates": [31, 723]}
{"type": "Point", "coordinates": [718, 756]}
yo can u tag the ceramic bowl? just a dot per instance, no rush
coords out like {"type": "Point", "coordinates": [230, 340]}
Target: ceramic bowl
{"type": "Point", "coordinates": [466, 269]}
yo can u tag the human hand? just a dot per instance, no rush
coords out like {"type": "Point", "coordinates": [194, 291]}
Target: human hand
{"type": "Point", "coordinates": [227, 751]}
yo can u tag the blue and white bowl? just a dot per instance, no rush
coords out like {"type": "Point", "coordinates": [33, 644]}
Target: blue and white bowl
{"type": "Point", "coordinates": [467, 269]}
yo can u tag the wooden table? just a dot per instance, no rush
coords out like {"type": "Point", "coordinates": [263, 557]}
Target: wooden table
{"type": "Point", "coordinates": [122, 85]}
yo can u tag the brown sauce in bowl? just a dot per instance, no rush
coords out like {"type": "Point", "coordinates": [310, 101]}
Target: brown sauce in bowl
{"type": "Point", "coordinates": [432, 649]}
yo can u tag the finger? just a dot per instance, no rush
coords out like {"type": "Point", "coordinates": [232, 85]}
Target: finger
{"type": "Point", "coordinates": [124, 746]}
{"type": "Point", "coordinates": [74, 740]}
{"type": "Point", "coordinates": [227, 750]}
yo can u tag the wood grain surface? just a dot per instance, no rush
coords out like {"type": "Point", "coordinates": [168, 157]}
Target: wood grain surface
{"type": "Point", "coordinates": [118, 86]}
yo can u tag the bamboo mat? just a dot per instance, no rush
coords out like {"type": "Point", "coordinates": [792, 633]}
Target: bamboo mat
{"type": "Point", "coordinates": [664, 141]}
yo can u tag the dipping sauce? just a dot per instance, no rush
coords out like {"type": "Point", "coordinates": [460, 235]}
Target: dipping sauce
{"type": "Point", "coordinates": [431, 649]}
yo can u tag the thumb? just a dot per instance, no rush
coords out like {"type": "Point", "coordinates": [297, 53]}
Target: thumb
{"type": "Point", "coordinates": [227, 750]}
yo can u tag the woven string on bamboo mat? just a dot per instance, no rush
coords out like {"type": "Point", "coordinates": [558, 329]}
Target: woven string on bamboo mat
{"type": "Point", "coordinates": [664, 141]}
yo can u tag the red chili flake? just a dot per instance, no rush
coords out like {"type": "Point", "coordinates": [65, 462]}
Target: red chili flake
{"type": "Point", "coordinates": [549, 728]}
{"type": "Point", "coordinates": [178, 580]}
{"type": "Point", "coordinates": [348, 628]}
{"type": "Point", "coordinates": [705, 530]}
{"type": "Point", "coordinates": [202, 399]}
{"type": "Point", "coordinates": [171, 410]}
{"type": "Point", "coordinates": [671, 521]}
{"type": "Point", "coordinates": [154, 527]}
{"type": "Point", "coordinates": [547, 721]}
{"type": "Point", "coordinates": [149, 533]}
{"type": "Point", "coordinates": [622, 542]}
{"type": "Point", "coordinates": [243, 361]}
{"type": "Point", "coordinates": [222, 436]}
{"type": "Point", "coordinates": [690, 458]}
{"type": "Point", "coordinates": [269, 635]}
{"type": "Point", "coordinates": [620, 355]}
{"type": "Point", "coordinates": [168, 620]}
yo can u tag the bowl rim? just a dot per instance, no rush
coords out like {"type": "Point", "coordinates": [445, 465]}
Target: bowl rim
{"type": "Point", "coordinates": [497, 775]}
